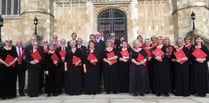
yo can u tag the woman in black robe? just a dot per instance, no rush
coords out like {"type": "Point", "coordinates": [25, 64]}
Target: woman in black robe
{"type": "Point", "coordinates": [73, 70]}
{"type": "Point", "coordinates": [34, 59]}
{"type": "Point", "coordinates": [51, 68]}
{"type": "Point", "coordinates": [8, 72]}
{"type": "Point", "coordinates": [139, 79]}
{"type": "Point", "coordinates": [161, 70]}
{"type": "Point", "coordinates": [110, 67]}
{"type": "Point", "coordinates": [123, 67]}
{"type": "Point", "coordinates": [91, 78]}
{"type": "Point", "coordinates": [199, 73]}
{"type": "Point", "coordinates": [181, 68]}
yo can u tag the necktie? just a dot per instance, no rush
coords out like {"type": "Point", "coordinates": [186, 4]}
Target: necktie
{"type": "Point", "coordinates": [20, 56]}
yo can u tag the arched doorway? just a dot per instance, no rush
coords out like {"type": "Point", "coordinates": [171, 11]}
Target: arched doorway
{"type": "Point", "coordinates": [113, 20]}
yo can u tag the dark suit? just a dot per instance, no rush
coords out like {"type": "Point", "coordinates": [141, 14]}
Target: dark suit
{"type": "Point", "coordinates": [21, 68]}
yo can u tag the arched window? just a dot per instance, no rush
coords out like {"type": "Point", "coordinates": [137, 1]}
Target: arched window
{"type": "Point", "coordinates": [113, 20]}
{"type": "Point", "coordinates": [10, 7]}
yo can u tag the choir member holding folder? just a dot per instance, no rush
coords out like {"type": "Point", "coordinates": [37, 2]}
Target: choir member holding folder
{"type": "Point", "coordinates": [34, 59]}
{"type": "Point", "coordinates": [180, 58]}
{"type": "Point", "coordinates": [73, 70]}
{"type": "Point", "coordinates": [139, 79]}
{"type": "Point", "coordinates": [161, 69]}
{"type": "Point", "coordinates": [92, 76]}
{"type": "Point", "coordinates": [123, 66]}
{"type": "Point", "coordinates": [61, 51]}
{"type": "Point", "coordinates": [199, 73]}
{"type": "Point", "coordinates": [8, 58]}
{"type": "Point", "coordinates": [110, 66]}
{"type": "Point", "coordinates": [51, 61]}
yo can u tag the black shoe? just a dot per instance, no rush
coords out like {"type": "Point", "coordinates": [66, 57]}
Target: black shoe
{"type": "Point", "coordinates": [141, 94]}
{"type": "Point", "coordinates": [158, 94]}
{"type": "Point", "coordinates": [55, 94]}
{"type": "Point", "coordinates": [166, 94]}
{"type": "Point", "coordinates": [202, 95]}
{"type": "Point", "coordinates": [22, 94]}
{"type": "Point", "coordinates": [48, 95]}
{"type": "Point", "coordinates": [135, 94]}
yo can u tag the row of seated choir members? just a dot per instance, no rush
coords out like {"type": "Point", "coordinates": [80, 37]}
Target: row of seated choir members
{"type": "Point", "coordinates": [148, 67]}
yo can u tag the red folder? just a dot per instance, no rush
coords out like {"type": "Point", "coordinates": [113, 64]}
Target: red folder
{"type": "Point", "coordinates": [124, 53]}
{"type": "Point", "coordinates": [114, 46]}
{"type": "Point", "coordinates": [140, 57]}
{"type": "Point", "coordinates": [62, 53]}
{"type": "Point", "coordinates": [54, 57]}
{"type": "Point", "coordinates": [9, 59]}
{"type": "Point", "coordinates": [158, 52]}
{"type": "Point", "coordinates": [110, 55]}
{"type": "Point", "coordinates": [36, 55]}
{"type": "Point", "coordinates": [148, 51]}
{"type": "Point", "coordinates": [56, 46]}
{"type": "Point", "coordinates": [198, 53]}
{"type": "Point", "coordinates": [76, 59]}
{"type": "Point", "coordinates": [92, 57]}
{"type": "Point", "coordinates": [180, 54]}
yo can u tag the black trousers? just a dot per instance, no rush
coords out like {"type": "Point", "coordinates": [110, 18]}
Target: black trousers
{"type": "Point", "coordinates": [21, 77]}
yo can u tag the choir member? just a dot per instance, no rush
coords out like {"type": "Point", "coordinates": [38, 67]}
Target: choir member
{"type": "Point", "coordinates": [148, 50]}
{"type": "Point", "coordinates": [181, 58]}
{"type": "Point", "coordinates": [73, 70]}
{"type": "Point", "coordinates": [116, 42]}
{"type": "Point", "coordinates": [55, 41]}
{"type": "Point", "coordinates": [91, 70]}
{"type": "Point", "coordinates": [8, 58]}
{"type": "Point", "coordinates": [161, 69]}
{"type": "Point", "coordinates": [81, 46]}
{"type": "Point", "coordinates": [199, 73]}
{"type": "Point", "coordinates": [188, 42]}
{"type": "Point", "coordinates": [21, 66]}
{"type": "Point", "coordinates": [154, 42]}
{"type": "Point", "coordinates": [73, 37]}
{"type": "Point", "coordinates": [123, 67]}
{"type": "Point", "coordinates": [140, 38]}
{"type": "Point", "coordinates": [110, 67]}
{"type": "Point", "coordinates": [169, 50]}
{"type": "Point", "coordinates": [34, 59]}
{"type": "Point", "coordinates": [51, 61]}
{"type": "Point", "coordinates": [99, 42]}
{"type": "Point", "coordinates": [61, 51]}
{"type": "Point", "coordinates": [139, 80]}
{"type": "Point", "coordinates": [45, 46]}
{"type": "Point", "coordinates": [102, 36]}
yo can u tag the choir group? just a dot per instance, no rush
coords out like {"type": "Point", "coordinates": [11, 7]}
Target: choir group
{"type": "Point", "coordinates": [149, 66]}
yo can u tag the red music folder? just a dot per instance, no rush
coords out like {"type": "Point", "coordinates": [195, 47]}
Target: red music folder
{"type": "Point", "coordinates": [9, 59]}
{"type": "Point", "coordinates": [36, 55]}
{"type": "Point", "coordinates": [54, 57]}
{"type": "Point", "coordinates": [110, 55]}
{"type": "Point", "coordinates": [62, 53]}
{"type": "Point", "coordinates": [140, 57]}
{"type": "Point", "coordinates": [76, 59]}
{"type": "Point", "coordinates": [199, 53]}
{"type": "Point", "coordinates": [124, 53]}
{"type": "Point", "coordinates": [180, 55]}
{"type": "Point", "coordinates": [148, 51]}
{"type": "Point", "coordinates": [92, 57]}
{"type": "Point", "coordinates": [158, 52]}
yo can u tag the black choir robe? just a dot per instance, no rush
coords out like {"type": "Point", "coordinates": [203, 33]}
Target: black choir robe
{"type": "Point", "coordinates": [8, 75]}
{"type": "Point", "coordinates": [182, 78]}
{"type": "Point", "coordinates": [110, 72]}
{"type": "Point", "coordinates": [74, 74]}
{"type": "Point", "coordinates": [92, 76]}
{"type": "Point", "coordinates": [161, 73]}
{"type": "Point", "coordinates": [199, 73]}
{"type": "Point", "coordinates": [35, 72]}
{"type": "Point", "coordinates": [139, 78]}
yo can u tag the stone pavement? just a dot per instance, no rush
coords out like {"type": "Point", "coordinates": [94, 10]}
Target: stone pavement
{"type": "Point", "coordinates": [111, 98]}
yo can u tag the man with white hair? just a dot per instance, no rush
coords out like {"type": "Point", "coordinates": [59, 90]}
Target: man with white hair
{"type": "Point", "coordinates": [21, 64]}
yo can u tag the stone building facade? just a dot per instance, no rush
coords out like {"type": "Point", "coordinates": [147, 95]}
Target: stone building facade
{"type": "Point", "coordinates": [127, 18]}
